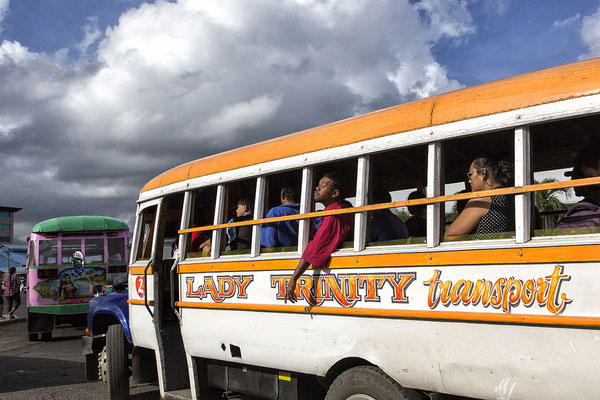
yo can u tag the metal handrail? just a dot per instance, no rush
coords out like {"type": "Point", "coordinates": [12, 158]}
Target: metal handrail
{"type": "Point", "coordinates": [150, 263]}
{"type": "Point", "coordinates": [423, 201]}
{"type": "Point", "coordinates": [172, 286]}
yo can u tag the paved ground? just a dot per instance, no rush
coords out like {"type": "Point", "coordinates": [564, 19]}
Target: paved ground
{"type": "Point", "coordinates": [52, 370]}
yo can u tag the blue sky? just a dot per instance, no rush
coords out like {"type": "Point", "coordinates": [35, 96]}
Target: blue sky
{"type": "Point", "coordinates": [99, 96]}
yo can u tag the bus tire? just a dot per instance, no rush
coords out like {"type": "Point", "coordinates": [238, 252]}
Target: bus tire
{"type": "Point", "coordinates": [368, 383]}
{"type": "Point", "coordinates": [33, 337]}
{"type": "Point", "coordinates": [114, 368]}
{"type": "Point", "coordinates": [46, 336]}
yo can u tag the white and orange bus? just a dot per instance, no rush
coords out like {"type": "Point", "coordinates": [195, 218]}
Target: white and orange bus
{"type": "Point", "coordinates": [515, 315]}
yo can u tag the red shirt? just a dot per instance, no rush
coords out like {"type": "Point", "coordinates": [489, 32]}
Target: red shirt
{"type": "Point", "coordinates": [11, 284]}
{"type": "Point", "coordinates": [331, 233]}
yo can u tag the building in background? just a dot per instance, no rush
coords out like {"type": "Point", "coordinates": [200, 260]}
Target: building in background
{"type": "Point", "coordinates": [13, 255]}
{"type": "Point", "coordinates": [7, 222]}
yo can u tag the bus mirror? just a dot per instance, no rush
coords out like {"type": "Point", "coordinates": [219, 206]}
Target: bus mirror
{"type": "Point", "coordinates": [78, 262]}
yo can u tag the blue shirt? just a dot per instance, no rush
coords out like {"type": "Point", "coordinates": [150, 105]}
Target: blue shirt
{"type": "Point", "coordinates": [282, 233]}
{"type": "Point", "coordinates": [386, 226]}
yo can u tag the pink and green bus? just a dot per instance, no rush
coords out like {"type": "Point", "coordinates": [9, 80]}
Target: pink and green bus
{"type": "Point", "coordinates": [58, 291]}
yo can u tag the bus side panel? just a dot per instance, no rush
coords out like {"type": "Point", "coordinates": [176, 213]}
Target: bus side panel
{"type": "Point", "coordinates": [416, 323]}
{"type": "Point", "coordinates": [475, 360]}
{"type": "Point", "coordinates": [140, 320]}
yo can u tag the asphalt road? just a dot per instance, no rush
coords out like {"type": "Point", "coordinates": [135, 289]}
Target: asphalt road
{"type": "Point", "coordinates": [48, 370]}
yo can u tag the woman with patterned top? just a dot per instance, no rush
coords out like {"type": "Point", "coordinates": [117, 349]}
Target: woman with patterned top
{"type": "Point", "coordinates": [11, 291]}
{"type": "Point", "coordinates": [490, 214]}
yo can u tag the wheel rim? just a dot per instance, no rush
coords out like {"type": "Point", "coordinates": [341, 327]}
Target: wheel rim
{"type": "Point", "coordinates": [102, 365]}
{"type": "Point", "coordinates": [360, 396]}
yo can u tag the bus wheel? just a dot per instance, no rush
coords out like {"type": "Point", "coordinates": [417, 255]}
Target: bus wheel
{"type": "Point", "coordinates": [33, 337]}
{"type": "Point", "coordinates": [113, 363]}
{"type": "Point", "coordinates": [368, 383]}
{"type": "Point", "coordinates": [46, 336]}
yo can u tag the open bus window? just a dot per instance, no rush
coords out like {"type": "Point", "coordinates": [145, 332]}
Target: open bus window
{"type": "Point", "coordinates": [346, 171]}
{"type": "Point", "coordinates": [68, 247]}
{"type": "Point", "coordinates": [239, 207]}
{"type": "Point", "coordinates": [94, 251]}
{"type": "Point", "coordinates": [489, 161]}
{"type": "Point", "coordinates": [199, 244]}
{"type": "Point", "coordinates": [282, 198]}
{"type": "Point", "coordinates": [116, 250]}
{"type": "Point", "coordinates": [394, 176]}
{"type": "Point", "coordinates": [48, 250]}
{"type": "Point", "coordinates": [558, 148]}
{"type": "Point", "coordinates": [170, 224]}
{"type": "Point", "coordinates": [144, 248]}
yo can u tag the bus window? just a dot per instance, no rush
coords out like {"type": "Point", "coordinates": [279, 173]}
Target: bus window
{"type": "Point", "coordinates": [394, 176]}
{"type": "Point", "coordinates": [94, 251]}
{"type": "Point", "coordinates": [148, 219]}
{"type": "Point", "coordinates": [555, 147]}
{"type": "Point", "coordinates": [476, 163]}
{"type": "Point", "coordinates": [346, 171]}
{"type": "Point", "coordinates": [116, 250]}
{"type": "Point", "coordinates": [202, 214]}
{"type": "Point", "coordinates": [68, 247]}
{"type": "Point", "coordinates": [170, 224]}
{"type": "Point", "coordinates": [239, 207]}
{"type": "Point", "coordinates": [282, 197]}
{"type": "Point", "coordinates": [48, 252]}
{"type": "Point", "coordinates": [31, 253]}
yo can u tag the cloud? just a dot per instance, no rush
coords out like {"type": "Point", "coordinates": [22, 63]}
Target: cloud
{"type": "Point", "coordinates": [449, 19]}
{"type": "Point", "coordinates": [568, 21]}
{"type": "Point", "coordinates": [590, 35]}
{"type": "Point", "coordinates": [91, 35]}
{"type": "Point", "coordinates": [4, 7]}
{"type": "Point", "coordinates": [173, 82]}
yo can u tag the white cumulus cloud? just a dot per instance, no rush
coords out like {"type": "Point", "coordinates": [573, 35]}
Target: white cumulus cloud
{"type": "Point", "coordinates": [590, 34]}
{"type": "Point", "coordinates": [567, 21]}
{"type": "Point", "coordinates": [176, 81]}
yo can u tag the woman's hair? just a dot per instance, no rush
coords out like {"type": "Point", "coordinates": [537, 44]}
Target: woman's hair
{"type": "Point", "coordinates": [500, 170]}
{"type": "Point", "coordinates": [12, 270]}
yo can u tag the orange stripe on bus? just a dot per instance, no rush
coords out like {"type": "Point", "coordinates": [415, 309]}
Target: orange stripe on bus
{"type": "Point", "coordinates": [140, 302]}
{"type": "Point", "coordinates": [139, 270]}
{"type": "Point", "coordinates": [527, 90]}
{"type": "Point", "coordinates": [530, 255]}
{"type": "Point", "coordinates": [409, 314]}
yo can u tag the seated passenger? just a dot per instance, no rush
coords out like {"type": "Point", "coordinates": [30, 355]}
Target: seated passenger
{"type": "Point", "coordinates": [240, 237]}
{"type": "Point", "coordinates": [384, 224]}
{"type": "Point", "coordinates": [585, 213]}
{"type": "Point", "coordinates": [331, 233]}
{"type": "Point", "coordinates": [201, 241]}
{"type": "Point", "coordinates": [417, 223]}
{"type": "Point", "coordinates": [282, 233]}
{"type": "Point", "coordinates": [490, 214]}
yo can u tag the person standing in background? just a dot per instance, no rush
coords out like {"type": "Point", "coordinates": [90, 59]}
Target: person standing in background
{"type": "Point", "coordinates": [11, 291]}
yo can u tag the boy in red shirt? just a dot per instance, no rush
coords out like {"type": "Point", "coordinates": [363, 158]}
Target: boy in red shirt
{"type": "Point", "coordinates": [331, 233]}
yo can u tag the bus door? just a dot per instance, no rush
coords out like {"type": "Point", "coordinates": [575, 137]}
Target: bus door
{"type": "Point", "coordinates": [171, 353]}
{"type": "Point", "coordinates": [141, 279]}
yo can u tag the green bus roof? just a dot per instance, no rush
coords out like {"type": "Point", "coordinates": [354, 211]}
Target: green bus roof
{"type": "Point", "coordinates": [79, 223]}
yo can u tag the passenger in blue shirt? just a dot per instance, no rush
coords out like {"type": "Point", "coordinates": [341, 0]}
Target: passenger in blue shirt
{"type": "Point", "coordinates": [283, 233]}
{"type": "Point", "coordinates": [384, 224]}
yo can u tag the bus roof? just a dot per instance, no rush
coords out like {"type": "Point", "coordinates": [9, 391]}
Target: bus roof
{"type": "Point", "coordinates": [79, 223]}
{"type": "Point", "coordinates": [540, 87]}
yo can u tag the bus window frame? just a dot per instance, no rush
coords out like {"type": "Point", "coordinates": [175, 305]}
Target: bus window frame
{"type": "Point", "coordinates": [523, 233]}
{"type": "Point", "coordinates": [427, 201]}
{"type": "Point", "coordinates": [136, 234]}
